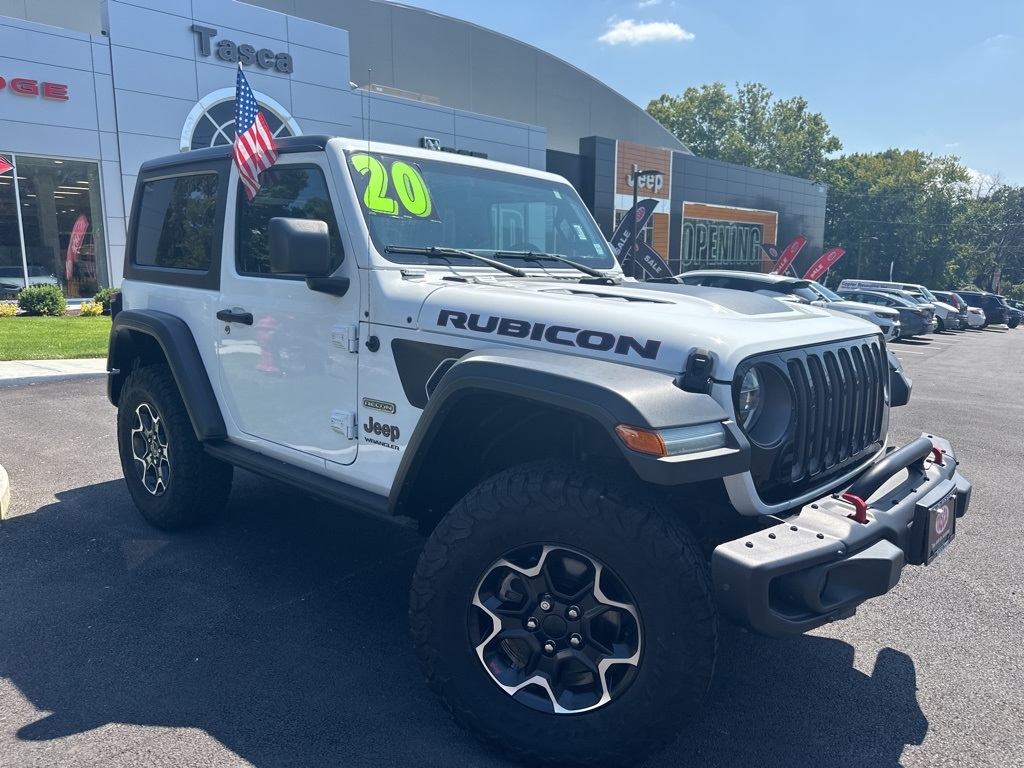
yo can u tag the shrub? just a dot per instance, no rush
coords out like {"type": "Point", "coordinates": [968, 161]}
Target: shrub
{"type": "Point", "coordinates": [91, 309]}
{"type": "Point", "coordinates": [103, 296]}
{"type": "Point", "coordinates": [8, 309]}
{"type": "Point", "coordinates": [43, 300]}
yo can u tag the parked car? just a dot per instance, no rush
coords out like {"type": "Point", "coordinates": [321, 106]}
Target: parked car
{"type": "Point", "coordinates": [946, 315]}
{"type": "Point", "coordinates": [997, 311]}
{"type": "Point", "coordinates": [12, 279]}
{"type": "Point", "coordinates": [790, 289]}
{"type": "Point", "coordinates": [975, 317]}
{"type": "Point", "coordinates": [962, 307]}
{"type": "Point", "coordinates": [915, 318]}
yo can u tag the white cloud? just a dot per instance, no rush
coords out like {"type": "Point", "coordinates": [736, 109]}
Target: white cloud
{"type": "Point", "coordinates": [638, 33]}
{"type": "Point", "coordinates": [647, 3]}
{"type": "Point", "coordinates": [952, 145]}
{"type": "Point", "coordinates": [980, 181]}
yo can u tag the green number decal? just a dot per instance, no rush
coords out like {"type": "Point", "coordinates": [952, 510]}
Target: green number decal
{"type": "Point", "coordinates": [411, 189]}
{"type": "Point", "coordinates": [376, 198]}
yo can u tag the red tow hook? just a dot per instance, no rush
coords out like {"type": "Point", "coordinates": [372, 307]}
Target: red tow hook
{"type": "Point", "coordinates": [938, 454]}
{"type": "Point", "coordinates": [860, 508]}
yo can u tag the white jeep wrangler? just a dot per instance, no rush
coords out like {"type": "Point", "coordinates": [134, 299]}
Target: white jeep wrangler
{"type": "Point", "coordinates": [603, 467]}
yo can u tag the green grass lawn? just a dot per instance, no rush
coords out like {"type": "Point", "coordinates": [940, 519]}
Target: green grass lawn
{"type": "Point", "coordinates": [53, 338]}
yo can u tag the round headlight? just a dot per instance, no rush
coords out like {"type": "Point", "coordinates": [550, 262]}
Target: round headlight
{"type": "Point", "coordinates": [749, 402]}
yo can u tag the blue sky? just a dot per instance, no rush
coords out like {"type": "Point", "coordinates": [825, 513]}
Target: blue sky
{"type": "Point", "coordinates": [942, 77]}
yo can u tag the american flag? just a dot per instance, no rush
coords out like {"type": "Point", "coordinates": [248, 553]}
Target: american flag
{"type": "Point", "coordinates": [254, 149]}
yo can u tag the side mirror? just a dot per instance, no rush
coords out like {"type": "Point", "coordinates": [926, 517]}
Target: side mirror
{"type": "Point", "coordinates": [299, 247]}
{"type": "Point", "coordinates": [303, 247]}
{"type": "Point", "coordinates": [820, 303]}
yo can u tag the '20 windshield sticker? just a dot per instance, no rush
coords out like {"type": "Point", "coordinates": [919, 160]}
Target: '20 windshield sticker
{"type": "Point", "coordinates": [391, 187]}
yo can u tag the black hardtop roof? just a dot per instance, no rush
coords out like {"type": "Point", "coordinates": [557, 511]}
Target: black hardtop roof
{"type": "Point", "coordinates": [285, 145]}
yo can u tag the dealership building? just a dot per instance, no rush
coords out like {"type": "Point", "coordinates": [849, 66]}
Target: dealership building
{"type": "Point", "coordinates": [89, 89]}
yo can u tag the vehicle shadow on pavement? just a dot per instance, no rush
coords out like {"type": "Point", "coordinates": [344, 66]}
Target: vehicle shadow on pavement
{"type": "Point", "coordinates": [911, 341]}
{"type": "Point", "coordinates": [281, 631]}
{"type": "Point", "coordinates": [800, 701]}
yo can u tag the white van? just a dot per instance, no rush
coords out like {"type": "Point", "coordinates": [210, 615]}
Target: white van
{"type": "Point", "coordinates": [947, 315]}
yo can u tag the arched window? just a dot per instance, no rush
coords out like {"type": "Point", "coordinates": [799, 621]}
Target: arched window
{"type": "Point", "coordinates": [212, 120]}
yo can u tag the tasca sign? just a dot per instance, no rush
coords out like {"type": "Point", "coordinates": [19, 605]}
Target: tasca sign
{"type": "Point", "coordinates": [229, 50]}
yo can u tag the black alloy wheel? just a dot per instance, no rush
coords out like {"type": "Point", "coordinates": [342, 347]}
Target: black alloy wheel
{"type": "Point", "coordinates": [565, 616]}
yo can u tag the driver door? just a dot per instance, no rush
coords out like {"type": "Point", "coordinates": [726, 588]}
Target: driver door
{"type": "Point", "coordinates": [286, 354]}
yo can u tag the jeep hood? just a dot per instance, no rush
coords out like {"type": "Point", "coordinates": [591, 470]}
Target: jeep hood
{"type": "Point", "coordinates": [651, 325]}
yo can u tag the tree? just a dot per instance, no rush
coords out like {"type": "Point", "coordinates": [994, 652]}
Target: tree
{"type": "Point", "coordinates": [749, 128]}
{"type": "Point", "coordinates": [897, 210]}
{"type": "Point", "coordinates": [990, 229]}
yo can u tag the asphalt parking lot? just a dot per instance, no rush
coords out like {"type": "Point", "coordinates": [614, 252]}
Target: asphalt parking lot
{"type": "Point", "coordinates": [277, 636]}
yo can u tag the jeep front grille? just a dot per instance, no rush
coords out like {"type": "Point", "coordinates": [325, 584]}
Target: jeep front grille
{"type": "Point", "coordinates": [838, 394]}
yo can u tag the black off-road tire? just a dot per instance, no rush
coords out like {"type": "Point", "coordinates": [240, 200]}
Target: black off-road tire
{"type": "Point", "coordinates": [643, 552]}
{"type": "Point", "coordinates": [175, 484]}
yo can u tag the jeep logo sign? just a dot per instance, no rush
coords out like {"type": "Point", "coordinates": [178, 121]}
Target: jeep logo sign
{"type": "Point", "coordinates": [652, 181]}
{"type": "Point", "coordinates": [228, 50]}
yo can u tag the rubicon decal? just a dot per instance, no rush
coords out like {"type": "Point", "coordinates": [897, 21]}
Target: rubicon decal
{"type": "Point", "coordinates": [378, 405]}
{"type": "Point", "coordinates": [564, 335]}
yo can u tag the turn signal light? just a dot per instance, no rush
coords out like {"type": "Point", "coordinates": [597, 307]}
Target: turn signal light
{"type": "Point", "coordinates": [642, 440]}
{"type": "Point", "coordinates": [674, 441]}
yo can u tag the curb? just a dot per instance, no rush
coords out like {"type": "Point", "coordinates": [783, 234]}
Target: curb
{"type": "Point", "coordinates": [5, 493]}
{"type": "Point", "coordinates": [50, 377]}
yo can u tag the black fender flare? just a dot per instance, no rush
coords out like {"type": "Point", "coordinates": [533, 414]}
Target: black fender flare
{"type": "Point", "coordinates": [179, 349]}
{"type": "Point", "coordinates": [609, 393]}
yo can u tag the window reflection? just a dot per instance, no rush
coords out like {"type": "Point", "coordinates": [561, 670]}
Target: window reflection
{"type": "Point", "coordinates": [61, 217]}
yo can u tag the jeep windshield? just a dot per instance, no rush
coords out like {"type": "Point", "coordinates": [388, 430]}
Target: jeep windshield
{"type": "Point", "coordinates": [411, 204]}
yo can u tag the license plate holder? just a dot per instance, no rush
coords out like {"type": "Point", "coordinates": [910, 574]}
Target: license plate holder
{"type": "Point", "coordinates": [941, 527]}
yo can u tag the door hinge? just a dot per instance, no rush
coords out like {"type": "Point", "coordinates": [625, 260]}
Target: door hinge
{"type": "Point", "coordinates": [344, 423]}
{"type": "Point", "coordinates": [345, 337]}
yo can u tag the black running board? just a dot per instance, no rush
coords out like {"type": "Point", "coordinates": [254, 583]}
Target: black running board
{"type": "Point", "coordinates": [356, 499]}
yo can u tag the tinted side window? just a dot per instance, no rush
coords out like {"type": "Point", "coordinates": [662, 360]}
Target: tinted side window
{"type": "Point", "coordinates": [176, 219]}
{"type": "Point", "coordinates": [296, 192]}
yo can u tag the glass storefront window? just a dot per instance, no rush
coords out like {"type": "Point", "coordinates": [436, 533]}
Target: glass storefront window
{"type": "Point", "coordinates": [62, 219]}
{"type": "Point", "coordinates": [12, 275]}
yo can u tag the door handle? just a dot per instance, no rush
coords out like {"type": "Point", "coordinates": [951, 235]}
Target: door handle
{"type": "Point", "coordinates": [235, 316]}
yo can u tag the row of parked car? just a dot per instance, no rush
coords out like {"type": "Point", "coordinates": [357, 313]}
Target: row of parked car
{"type": "Point", "coordinates": [901, 310]}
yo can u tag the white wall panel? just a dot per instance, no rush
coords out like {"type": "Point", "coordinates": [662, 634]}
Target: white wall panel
{"type": "Point", "coordinates": [318, 36]}
{"type": "Point", "coordinates": [152, 115]}
{"type": "Point", "coordinates": [137, 149]}
{"type": "Point", "coordinates": [106, 115]}
{"type": "Point", "coordinates": [225, 13]}
{"type": "Point", "coordinates": [108, 146]}
{"type": "Point", "coordinates": [327, 105]}
{"type": "Point", "coordinates": [177, 7]}
{"type": "Point", "coordinates": [101, 58]}
{"type": "Point", "coordinates": [319, 67]}
{"type": "Point", "coordinates": [149, 30]}
{"type": "Point", "coordinates": [50, 140]}
{"type": "Point", "coordinates": [153, 73]}
{"type": "Point", "coordinates": [113, 194]}
{"type": "Point", "coordinates": [42, 45]}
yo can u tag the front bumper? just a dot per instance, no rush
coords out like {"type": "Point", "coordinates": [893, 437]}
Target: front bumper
{"type": "Point", "coordinates": [817, 564]}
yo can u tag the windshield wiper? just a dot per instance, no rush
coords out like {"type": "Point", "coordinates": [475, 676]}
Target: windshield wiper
{"type": "Point", "coordinates": [536, 256]}
{"type": "Point", "coordinates": [441, 253]}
